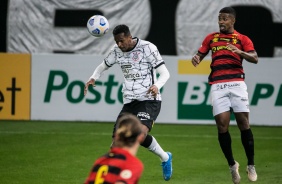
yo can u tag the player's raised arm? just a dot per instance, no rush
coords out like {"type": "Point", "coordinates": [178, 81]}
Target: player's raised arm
{"type": "Point", "coordinates": [89, 82]}
{"type": "Point", "coordinates": [251, 57]}
{"type": "Point", "coordinates": [197, 58]}
{"type": "Point", "coordinates": [96, 75]}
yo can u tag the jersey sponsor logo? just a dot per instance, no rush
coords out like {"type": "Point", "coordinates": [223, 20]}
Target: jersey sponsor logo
{"type": "Point", "coordinates": [223, 86]}
{"type": "Point", "coordinates": [132, 75]}
{"type": "Point", "coordinates": [223, 47]}
{"type": "Point", "coordinates": [131, 96]}
{"type": "Point", "coordinates": [143, 115]}
{"type": "Point", "coordinates": [129, 73]}
{"type": "Point", "coordinates": [224, 39]}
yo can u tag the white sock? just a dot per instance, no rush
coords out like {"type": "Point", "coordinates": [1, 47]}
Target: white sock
{"type": "Point", "coordinates": [157, 149]}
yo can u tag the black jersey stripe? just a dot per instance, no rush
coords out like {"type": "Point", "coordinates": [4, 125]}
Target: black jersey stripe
{"type": "Point", "coordinates": [229, 76]}
{"type": "Point", "coordinates": [116, 156]}
{"type": "Point", "coordinates": [222, 39]}
{"type": "Point", "coordinates": [105, 182]}
{"type": "Point", "coordinates": [225, 67]}
{"type": "Point", "coordinates": [204, 53]}
{"type": "Point", "coordinates": [225, 57]}
{"type": "Point", "coordinates": [159, 65]}
{"type": "Point", "coordinates": [124, 182]}
{"type": "Point", "coordinates": [112, 169]}
{"type": "Point", "coordinates": [106, 63]}
{"type": "Point", "coordinates": [153, 81]}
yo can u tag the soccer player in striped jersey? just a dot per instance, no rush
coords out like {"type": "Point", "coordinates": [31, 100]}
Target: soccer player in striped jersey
{"type": "Point", "coordinates": [120, 165]}
{"type": "Point", "coordinates": [140, 61]}
{"type": "Point", "coordinates": [228, 90]}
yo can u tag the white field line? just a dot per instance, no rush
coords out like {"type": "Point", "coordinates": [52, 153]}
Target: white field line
{"type": "Point", "coordinates": [110, 134]}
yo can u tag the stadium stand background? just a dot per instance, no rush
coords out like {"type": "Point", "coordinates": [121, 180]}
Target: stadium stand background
{"type": "Point", "coordinates": [254, 21]}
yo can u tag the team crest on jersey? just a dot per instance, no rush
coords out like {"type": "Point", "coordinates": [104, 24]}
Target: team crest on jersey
{"type": "Point", "coordinates": [135, 56]}
{"type": "Point", "coordinates": [215, 39]}
{"type": "Point", "coordinates": [234, 41]}
{"type": "Point", "coordinates": [126, 174]}
{"type": "Point", "coordinates": [235, 36]}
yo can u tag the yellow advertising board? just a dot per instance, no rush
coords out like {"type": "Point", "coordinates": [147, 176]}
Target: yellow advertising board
{"type": "Point", "coordinates": [15, 79]}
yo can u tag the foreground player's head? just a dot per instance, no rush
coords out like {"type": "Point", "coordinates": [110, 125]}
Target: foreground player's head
{"type": "Point", "coordinates": [226, 20]}
{"type": "Point", "coordinates": [128, 131]}
{"type": "Point", "coordinates": [123, 37]}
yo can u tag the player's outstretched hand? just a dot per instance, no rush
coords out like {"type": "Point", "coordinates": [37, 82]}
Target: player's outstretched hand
{"type": "Point", "coordinates": [196, 60]}
{"type": "Point", "coordinates": [90, 82]}
{"type": "Point", "coordinates": [153, 90]}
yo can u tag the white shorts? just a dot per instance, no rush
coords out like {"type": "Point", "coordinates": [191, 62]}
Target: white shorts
{"type": "Point", "coordinates": [229, 95]}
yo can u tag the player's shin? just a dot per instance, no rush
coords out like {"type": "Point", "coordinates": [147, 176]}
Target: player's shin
{"type": "Point", "coordinates": [151, 143]}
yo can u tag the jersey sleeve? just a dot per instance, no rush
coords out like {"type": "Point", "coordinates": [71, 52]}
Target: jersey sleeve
{"type": "Point", "coordinates": [153, 55]}
{"type": "Point", "coordinates": [110, 60]}
{"type": "Point", "coordinates": [205, 47]}
{"type": "Point", "coordinates": [247, 44]}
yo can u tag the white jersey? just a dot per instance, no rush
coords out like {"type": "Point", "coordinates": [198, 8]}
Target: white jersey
{"type": "Point", "coordinates": [139, 69]}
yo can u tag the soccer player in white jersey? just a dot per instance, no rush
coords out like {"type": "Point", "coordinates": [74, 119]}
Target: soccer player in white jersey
{"type": "Point", "coordinates": [140, 61]}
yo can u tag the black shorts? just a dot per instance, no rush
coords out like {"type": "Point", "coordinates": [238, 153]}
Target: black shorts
{"type": "Point", "coordinates": [147, 111]}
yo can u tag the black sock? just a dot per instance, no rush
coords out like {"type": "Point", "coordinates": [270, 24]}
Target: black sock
{"type": "Point", "coordinates": [147, 141]}
{"type": "Point", "coordinates": [248, 143]}
{"type": "Point", "coordinates": [225, 144]}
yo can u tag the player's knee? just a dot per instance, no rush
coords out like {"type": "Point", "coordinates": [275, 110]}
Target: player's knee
{"type": "Point", "coordinates": [243, 125]}
{"type": "Point", "coordinates": [147, 141]}
{"type": "Point", "coordinates": [222, 127]}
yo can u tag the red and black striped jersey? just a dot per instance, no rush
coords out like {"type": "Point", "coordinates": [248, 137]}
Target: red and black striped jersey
{"type": "Point", "coordinates": [226, 66]}
{"type": "Point", "coordinates": [117, 165]}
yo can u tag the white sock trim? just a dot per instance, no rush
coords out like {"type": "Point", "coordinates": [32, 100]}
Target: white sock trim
{"type": "Point", "coordinates": [157, 149]}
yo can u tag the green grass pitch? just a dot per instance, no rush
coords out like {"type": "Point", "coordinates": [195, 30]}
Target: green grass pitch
{"type": "Point", "coordinates": [63, 153]}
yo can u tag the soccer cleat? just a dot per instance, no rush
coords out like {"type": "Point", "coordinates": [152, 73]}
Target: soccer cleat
{"type": "Point", "coordinates": [252, 174]}
{"type": "Point", "coordinates": [235, 173]}
{"type": "Point", "coordinates": [167, 167]}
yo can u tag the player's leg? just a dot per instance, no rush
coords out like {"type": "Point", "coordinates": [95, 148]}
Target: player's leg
{"type": "Point", "coordinates": [221, 111]}
{"type": "Point", "coordinates": [224, 138]}
{"type": "Point", "coordinates": [248, 143]}
{"type": "Point", "coordinates": [240, 104]}
{"type": "Point", "coordinates": [125, 109]}
{"type": "Point", "coordinates": [147, 113]}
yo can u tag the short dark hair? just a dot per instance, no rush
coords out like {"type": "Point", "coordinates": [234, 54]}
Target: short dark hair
{"type": "Point", "coordinates": [229, 10]}
{"type": "Point", "coordinates": [121, 29]}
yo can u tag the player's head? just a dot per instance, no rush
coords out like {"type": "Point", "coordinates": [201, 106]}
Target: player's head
{"type": "Point", "coordinates": [128, 130]}
{"type": "Point", "coordinates": [123, 37]}
{"type": "Point", "coordinates": [226, 19]}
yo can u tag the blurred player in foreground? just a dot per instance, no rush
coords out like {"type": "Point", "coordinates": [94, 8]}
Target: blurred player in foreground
{"type": "Point", "coordinates": [120, 166]}
{"type": "Point", "coordinates": [228, 89]}
{"type": "Point", "coordinates": [140, 61]}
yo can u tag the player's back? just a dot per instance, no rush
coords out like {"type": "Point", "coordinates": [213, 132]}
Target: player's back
{"type": "Point", "coordinates": [117, 165]}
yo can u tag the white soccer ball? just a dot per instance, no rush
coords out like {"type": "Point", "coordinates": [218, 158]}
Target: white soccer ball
{"type": "Point", "coordinates": [98, 25]}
